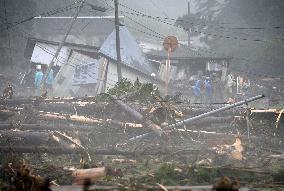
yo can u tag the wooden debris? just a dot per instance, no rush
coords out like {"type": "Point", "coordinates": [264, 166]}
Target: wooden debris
{"type": "Point", "coordinates": [129, 161]}
{"type": "Point", "coordinates": [86, 120]}
{"type": "Point", "coordinates": [139, 117]}
{"type": "Point", "coordinates": [92, 174]}
{"type": "Point", "coordinates": [26, 137]}
{"type": "Point", "coordinates": [39, 127]}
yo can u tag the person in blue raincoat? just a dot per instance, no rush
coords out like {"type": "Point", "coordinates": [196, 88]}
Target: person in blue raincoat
{"type": "Point", "coordinates": [49, 82]}
{"type": "Point", "coordinates": [197, 90]}
{"type": "Point", "coordinates": [208, 90]}
{"type": "Point", "coordinates": [38, 79]}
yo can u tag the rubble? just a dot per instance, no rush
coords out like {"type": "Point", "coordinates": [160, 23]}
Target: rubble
{"type": "Point", "coordinates": [137, 138]}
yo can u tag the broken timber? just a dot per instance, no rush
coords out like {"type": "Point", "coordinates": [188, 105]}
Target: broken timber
{"type": "Point", "coordinates": [62, 150]}
{"type": "Point", "coordinates": [28, 137]}
{"type": "Point", "coordinates": [45, 127]}
{"type": "Point", "coordinates": [85, 120]}
{"type": "Point", "coordinates": [138, 116]}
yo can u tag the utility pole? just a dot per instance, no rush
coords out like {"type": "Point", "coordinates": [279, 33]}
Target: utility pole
{"type": "Point", "coordinates": [188, 32]}
{"type": "Point", "coordinates": [118, 56]}
{"type": "Point", "coordinates": [60, 46]}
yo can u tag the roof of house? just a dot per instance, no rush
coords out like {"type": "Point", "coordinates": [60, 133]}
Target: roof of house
{"type": "Point", "coordinates": [131, 53]}
{"type": "Point", "coordinates": [184, 53]}
{"type": "Point", "coordinates": [31, 43]}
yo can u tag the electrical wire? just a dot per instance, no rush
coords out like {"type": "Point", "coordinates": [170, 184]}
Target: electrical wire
{"type": "Point", "coordinates": [48, 13]}
{"type": "Point", "coordinates": [194, 23]}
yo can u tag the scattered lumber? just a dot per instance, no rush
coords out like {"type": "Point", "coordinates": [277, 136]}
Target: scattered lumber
{"type": "Point", "coordinates": [39, 127]}
{"type": "Point", "coordinates": [86, 120]}
{"type": "Point", "coordinates": [26, 137]}
{"type": "Point", "coordinates": [6, 114]}
{"type": "Point", "coordinates": [173, 188]}
{"type": "Point", "coordinates": [92, 174]}
{"type": "Point", "coordinates": [124, 161]}
{"type": "Point", "coordinates": [37, 100]}
{"type": "Point", "coordinates": [139, 117]}
{"type": "Point", "coordinates": [75, 150]}
{"type": "Point", "coordinates": [279, 157]}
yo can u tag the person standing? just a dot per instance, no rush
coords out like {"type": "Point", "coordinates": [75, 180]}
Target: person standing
{"type": "Point", "coordinates": [49, 82]}
{"type": "Point", "coordinates": [38, 79]}
{"type": "Point", "coordinates": [208, 90]}
{"type": "Point", "coordinates": [197, 91]}
{"type": "Point", "coordinates": [229, 85]}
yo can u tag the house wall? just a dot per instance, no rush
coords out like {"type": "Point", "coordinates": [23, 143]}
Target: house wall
{"type": "Point", "coordinates": [129, 74]}
{"type": "Point", "coordinates": [63, 82]}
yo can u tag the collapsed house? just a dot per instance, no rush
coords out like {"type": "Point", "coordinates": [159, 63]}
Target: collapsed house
{"type": "Point", "coordinates": [89, 70]}
{"type": "Point", "coordinates": [186, 65]}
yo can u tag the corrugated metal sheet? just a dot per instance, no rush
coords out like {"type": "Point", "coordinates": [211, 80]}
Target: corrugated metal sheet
{"type": "Point", "coordinates": [131, 53]}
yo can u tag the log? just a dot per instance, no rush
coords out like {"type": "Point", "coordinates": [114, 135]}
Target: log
{"type": "Point", "coordinates": [86, 120]}
{"type": "Point", "coordinates": [124, 161]}
{"type": "Point", "coordinates": [6, 114]}
{"type": "Point", "coordinates": [26, 137]}
{"type": "Point", "coordinates": [18, 101]}
{"type": "Point", "coordinates": [61, 150]}
{"type": "Point", "coordinates": [38, 127]}
{"type": "Point", "coordinates": [138, 116]}
{"type": "Point", "coordinates": [78, 108]}
{"type": "Point", "coordinates": [280, 157]}
{"type": "Point", "coordinates": [92, 174]}
{"type": "Point", "coordinates": [113, 187]}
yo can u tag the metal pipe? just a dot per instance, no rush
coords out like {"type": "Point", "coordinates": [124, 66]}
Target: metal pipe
{"type": "Point", "coordinates": [193, 119]}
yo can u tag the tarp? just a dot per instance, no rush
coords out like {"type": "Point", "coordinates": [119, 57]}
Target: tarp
{"type": "Point", "coordinates": [131, 53]}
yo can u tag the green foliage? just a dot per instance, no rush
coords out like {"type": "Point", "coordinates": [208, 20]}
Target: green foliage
{"type": "Point", "coordinates": [122, 87]}
{"type": "Point", "coordinates": [134, 91]}
{"type": "Point", "coordinates": [166, 174]}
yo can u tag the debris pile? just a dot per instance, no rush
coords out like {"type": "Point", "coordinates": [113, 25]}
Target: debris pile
{"type": "Point", "coordinates": [145, 141]}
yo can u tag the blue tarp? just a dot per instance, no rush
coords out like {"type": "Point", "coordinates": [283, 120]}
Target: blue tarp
{"type": "Point", "coordinates": [131, 53]}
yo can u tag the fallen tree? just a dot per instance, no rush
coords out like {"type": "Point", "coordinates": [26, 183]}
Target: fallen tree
{"type": "Point", "coordinates": [85, 120]}
{"type": "Point", "coordinates": [60, 150]}
{"type": "Point", "coordinates": [25, 137]}
{"type": "Point", "coordinates": [138, 116]}
{"type": "Point", "coordinates": [38, 127]}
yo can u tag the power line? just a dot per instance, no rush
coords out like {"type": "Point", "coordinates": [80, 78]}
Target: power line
{"type": "Point", "coordinates": [162, 20]}
{"type": "Point", "coordinates": [140, 24]}
{"type": "Point", "coordinates": [157, 35]}
{"type": "Point", "coordinates": [48, 13]}
{"type": "Point", "coordinates": [196, 52]}
{"type": "Point", "coordinates": [193, 23]}
{"type": "Point", "coordinates": [213, 35]}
